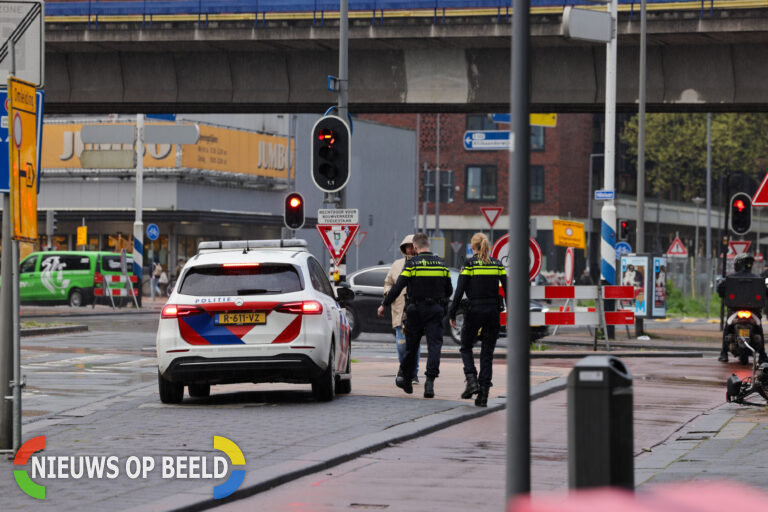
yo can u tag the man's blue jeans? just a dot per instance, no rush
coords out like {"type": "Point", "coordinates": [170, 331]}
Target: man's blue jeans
{"type": "Point", "coordinates": [400, 343]}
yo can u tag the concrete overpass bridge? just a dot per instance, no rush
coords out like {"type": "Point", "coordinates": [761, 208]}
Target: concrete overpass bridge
{"type": "Point", "coordinates": [114, 57]}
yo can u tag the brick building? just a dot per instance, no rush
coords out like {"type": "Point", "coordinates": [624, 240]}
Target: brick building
{"type": "Point", "coordinates": [559, 184]}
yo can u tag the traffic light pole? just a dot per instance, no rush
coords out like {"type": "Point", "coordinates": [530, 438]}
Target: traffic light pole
{"type": "Point", "coordinates": [343, 108]}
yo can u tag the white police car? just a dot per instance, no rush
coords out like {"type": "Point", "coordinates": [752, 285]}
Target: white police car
{"type": "Point", "coordinates": [253, 311]}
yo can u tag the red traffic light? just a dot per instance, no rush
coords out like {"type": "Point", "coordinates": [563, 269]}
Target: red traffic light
{"type": "Point", "coordinates": [293, 214]}
{"type": "Point", "coordinates": [624, 224]}
{"type": "Point", "coordinates": [739, 205]}
{"type": "Point", "coordinates": [326, 136]}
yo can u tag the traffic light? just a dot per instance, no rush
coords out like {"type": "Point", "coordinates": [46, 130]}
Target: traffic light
{"type": "Point", "coordinates": [623, 229]}
{"type": "Point", "coordinates": [50, 222]}
{"type": "Point", "coordinates": [741, 213]}
{"type": "Point", "coordinates": [294, 211]}
{"type": "Point", "coordinates": [330, 154]}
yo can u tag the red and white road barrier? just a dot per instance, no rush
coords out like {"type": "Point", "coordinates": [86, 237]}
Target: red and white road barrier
{"type": "Point", "coordinates": [100, 278]}
{"type": "Point", "coordinates": [115, 292]}
{"type": "Point", "coordinates": [579, 315]}
{"type": "Point", "coordinates": [581, 292]}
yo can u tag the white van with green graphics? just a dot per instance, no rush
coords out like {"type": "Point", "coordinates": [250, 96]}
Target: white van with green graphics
{"type": "Point", "coordinates": [68, 277]}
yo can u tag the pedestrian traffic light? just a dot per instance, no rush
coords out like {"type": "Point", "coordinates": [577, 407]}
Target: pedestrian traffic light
{"type": "Point", "coordinates": [330, 154]}
{"type": "Point", "coordinates": [623, 229]}
{"type": "Point", "coordinates": [741, 213]}
{"type": "Point", "coordinates": [293, 214]}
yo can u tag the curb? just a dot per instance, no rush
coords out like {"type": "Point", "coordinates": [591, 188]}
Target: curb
{"type": "Point", "coordinates": [40, 331]}
{"type": "Point", "coordinates": [622, 344]}
{"type": "Point", "coordinates": [576, 354]}
{"type": "Point", "coordinates": [266, 478]}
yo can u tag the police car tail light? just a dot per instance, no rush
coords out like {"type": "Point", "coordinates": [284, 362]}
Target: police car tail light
{"type": "Point", "coordinates": [305, 307]}
{"type": "Point", "coordinates": [179, 310]}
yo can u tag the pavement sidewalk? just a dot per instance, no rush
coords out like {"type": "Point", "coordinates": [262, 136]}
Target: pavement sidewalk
{"type": "Point", "coordinates": [463, 467]}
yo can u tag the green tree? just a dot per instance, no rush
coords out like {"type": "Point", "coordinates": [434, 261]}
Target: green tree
{"type": "Point", "coordinates": [676, 148]}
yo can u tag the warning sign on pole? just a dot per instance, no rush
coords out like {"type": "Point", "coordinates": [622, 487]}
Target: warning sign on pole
{"type": "Point", "coordinates": [677, 249]}
{"type": "Point", "coordinates": [337, 239]}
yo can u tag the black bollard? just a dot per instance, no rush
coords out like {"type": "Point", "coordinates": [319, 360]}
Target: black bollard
{"type": "Point", "coordinates": [600, 434]}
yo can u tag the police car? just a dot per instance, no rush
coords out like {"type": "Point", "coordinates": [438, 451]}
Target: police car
{"type": "Point", "coordinates": [253, 311]}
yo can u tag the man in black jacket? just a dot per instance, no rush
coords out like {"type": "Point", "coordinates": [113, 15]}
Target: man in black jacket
{"type": "Point", "coordinates": [429, 287]}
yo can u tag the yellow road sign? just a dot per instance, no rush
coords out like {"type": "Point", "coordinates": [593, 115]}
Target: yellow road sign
{"type": "Point", "coordinates": [82, 235]}
{"type": "Point", "coordinates": [548, 120]}
{"type": "Point", "coordinates": [567, 233]}
{"type": "Point", "coordinates": [22, 145]}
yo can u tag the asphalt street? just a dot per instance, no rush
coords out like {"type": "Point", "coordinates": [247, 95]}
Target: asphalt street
{"type": "Point", "coordinates": [95, 393]}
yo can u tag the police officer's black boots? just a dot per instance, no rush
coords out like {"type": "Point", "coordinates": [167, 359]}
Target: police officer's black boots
{"type": "Point", "coordinates": [472, 387]}
{"type": "Point", "coordinates": [482, 397]}
{"type": "Point", "coordinates": [429, 388]}
{"type": "Point", "coordinates": [403, 383]}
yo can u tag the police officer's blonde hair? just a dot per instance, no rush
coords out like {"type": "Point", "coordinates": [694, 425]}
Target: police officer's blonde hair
{"type": "Point", "coordinates": [480, 244]}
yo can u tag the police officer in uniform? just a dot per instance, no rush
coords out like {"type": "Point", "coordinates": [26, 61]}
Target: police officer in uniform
{"type": "Point", "coordinates": [429, 287]}
{"type": "Point", "coordinates": [480, 278]}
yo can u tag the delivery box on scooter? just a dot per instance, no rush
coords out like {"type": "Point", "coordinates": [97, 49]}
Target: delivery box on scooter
{"type": "Point", "coordinates": [744, 292]}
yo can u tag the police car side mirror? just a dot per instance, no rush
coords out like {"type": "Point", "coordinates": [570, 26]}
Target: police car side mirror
{"type": "Point", "coordinates": [344, 294]}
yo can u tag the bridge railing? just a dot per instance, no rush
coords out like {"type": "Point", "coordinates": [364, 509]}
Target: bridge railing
{"type": "Point", "coordinates": [93, 9]}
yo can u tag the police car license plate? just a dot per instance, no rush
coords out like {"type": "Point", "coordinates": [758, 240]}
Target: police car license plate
{"type": "Point", "coordinates": [743, 333]}
{"type": "Point", "coordinates": [241, 318]}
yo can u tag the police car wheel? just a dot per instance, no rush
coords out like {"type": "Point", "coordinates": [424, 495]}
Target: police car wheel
{"type": "Point", "coordinates": [200, 390]}
{"type": "Point", "coordinates": [324, 387]}
{"type": "Point", "coordinates": [76, 298]}
{"type": "Point", "coordinates": [170, 392]}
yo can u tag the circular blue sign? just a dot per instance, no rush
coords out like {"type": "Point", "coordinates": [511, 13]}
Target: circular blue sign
{"type": "Point", "coordinates": [623, 248]}
{"type": "Point", "coordinates": [153, 231]}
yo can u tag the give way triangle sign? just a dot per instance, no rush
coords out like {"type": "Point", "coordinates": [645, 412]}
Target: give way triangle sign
{"type": "Point", "coordinates": [677, 248]}
{"type": "Point", "coordinates": [491, 213]}
{"type": "Point", "coordinates": [736, 247]}
{"type": "Point", "coordinates": [337, 239]}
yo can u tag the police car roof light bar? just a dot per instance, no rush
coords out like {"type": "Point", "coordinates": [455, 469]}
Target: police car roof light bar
{"type": "Point", "coordinates": [251, 244]}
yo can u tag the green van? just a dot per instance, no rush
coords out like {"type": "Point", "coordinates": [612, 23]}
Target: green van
{"type": "Point", "coordinates": [68, 277]}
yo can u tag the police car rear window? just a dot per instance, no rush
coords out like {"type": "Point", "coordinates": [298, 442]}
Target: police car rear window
{"type": "Point", "coordinates": [236, 279]}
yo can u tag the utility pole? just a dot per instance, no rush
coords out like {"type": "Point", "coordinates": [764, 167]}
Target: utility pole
{"type": "Point", "coordinates": [343, 100]}
{"type": "Point", "coordinates": [640, 212]}
{"type": "Point", "coordinates": [437, 233]}
{"type": "Point", "coordinates": [518, 371]}
{"type": "Point", "coordinates": [138, 224]}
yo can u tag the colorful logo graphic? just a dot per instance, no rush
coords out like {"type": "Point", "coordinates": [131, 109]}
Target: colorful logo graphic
{"type": "Point", "coordinates": [93, 467]}
{"type": "Point", "coordinates": [237, 476]}
{"type": "Point", "coordinates": [22, 477]}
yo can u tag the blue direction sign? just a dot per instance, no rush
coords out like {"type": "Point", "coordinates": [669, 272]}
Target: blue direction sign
{"type": "Point", "coordinates": [4, 158]}
{"type": "Point", "coordinates": [605, 195]}
{"type": "Point", "coordinates": [623, 248]}
{"type": "Point", "coordinates": [500, 118]}
{"type": "Point", "coordinates": [161, 117]}
{"type": "Point", "coordinates": [486, 140]}
{"type": "Point", "coordinates": [153, 232]}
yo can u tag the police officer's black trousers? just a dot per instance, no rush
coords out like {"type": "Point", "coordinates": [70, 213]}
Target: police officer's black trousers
{"type": "Point", "coordinates": [423, 319]}
{"type": "Point", "coordinates": [484, 316]}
